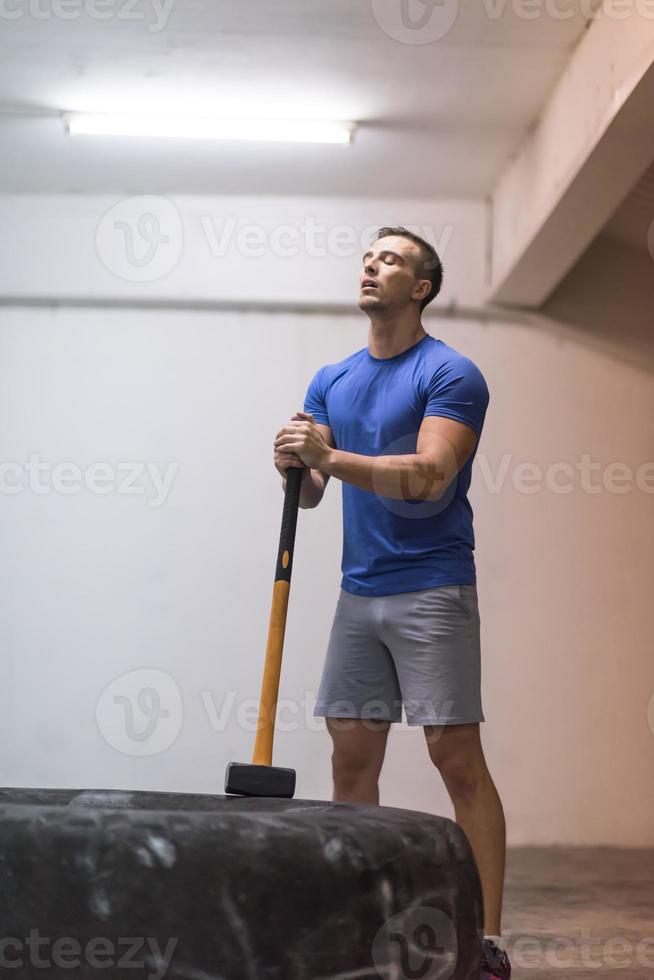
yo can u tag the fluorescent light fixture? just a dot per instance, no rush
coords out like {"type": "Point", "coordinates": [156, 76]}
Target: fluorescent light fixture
{"type": "Point", "coordinates": [198, 127]}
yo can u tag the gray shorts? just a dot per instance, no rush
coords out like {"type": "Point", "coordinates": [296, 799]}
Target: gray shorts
{"type": "Point", "coordinates": [417, 649]}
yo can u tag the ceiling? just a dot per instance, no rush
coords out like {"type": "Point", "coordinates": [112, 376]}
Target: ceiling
{"type": "Point", "coordinates": [437, 119]}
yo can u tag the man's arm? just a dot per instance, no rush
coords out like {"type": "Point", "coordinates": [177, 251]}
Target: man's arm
{"type": "Point", "coordinates": [314, 480]}
{"type": "Point", "coordinates": [442, 448]}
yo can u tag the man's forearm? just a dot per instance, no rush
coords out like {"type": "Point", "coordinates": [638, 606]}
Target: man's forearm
{"type": "Point", "coordinates": [410, 477]}
{"type": "Point", "coordinates": [311, 493]}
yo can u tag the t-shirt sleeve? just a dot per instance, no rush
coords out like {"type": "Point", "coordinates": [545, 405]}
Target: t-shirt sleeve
{"type": "Point", "coordinates": [458, 390]}
{"type": "Point", "coordinates": [314, 401]}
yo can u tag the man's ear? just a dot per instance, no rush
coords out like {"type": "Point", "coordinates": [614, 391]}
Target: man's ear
{"type": "Point", "coordinates": [421, 289]}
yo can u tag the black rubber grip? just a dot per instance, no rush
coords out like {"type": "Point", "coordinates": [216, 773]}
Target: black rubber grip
{"type": "Point", "coordinates": [289, 523]}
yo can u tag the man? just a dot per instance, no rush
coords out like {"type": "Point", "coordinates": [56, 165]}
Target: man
{"type": "Point", "coordinates": [398, 422]}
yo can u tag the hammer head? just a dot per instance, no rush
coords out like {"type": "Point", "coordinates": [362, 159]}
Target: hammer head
{"type": "Point", "coordinates": [242, 779]}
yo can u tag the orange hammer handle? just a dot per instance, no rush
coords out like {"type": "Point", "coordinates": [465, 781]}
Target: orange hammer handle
{"type": "Point", "coordinates": [263, 745]}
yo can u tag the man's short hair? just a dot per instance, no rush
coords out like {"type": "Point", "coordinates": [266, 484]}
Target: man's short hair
{"type": "Point", "coordinates": [430, 266]}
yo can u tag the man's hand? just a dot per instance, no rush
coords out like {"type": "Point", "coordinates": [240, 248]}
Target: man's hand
{"type": "Point", "coordinates": [304, 439]}
{"type": "Point", "coordinates": [286, 461]}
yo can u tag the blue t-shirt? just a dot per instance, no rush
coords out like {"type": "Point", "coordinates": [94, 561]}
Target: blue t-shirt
{"type": "Point", "coordinates": [374, 407]}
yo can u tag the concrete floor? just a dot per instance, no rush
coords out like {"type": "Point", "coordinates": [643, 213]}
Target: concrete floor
{"type": "Point", "coordinates": [580, 913]}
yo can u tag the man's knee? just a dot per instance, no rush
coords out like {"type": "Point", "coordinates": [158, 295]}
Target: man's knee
{"type": "Point", "coordinates": [458, 756]}
{"type": "Point", "coordinates": [348, 772]}
{"type": "Point", "coordinates": [462, 776]}
{"type": "Point", "coordinates": [357, 757]}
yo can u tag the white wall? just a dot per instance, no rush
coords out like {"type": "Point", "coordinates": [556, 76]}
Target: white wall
{"type": "Point", "coordinates": [221, 250]}
{"type": "Point", "coordinates": [94, 586]}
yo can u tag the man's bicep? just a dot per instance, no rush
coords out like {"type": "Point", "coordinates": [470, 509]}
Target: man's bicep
{"type": "Point", "coordinates": [447, 442]}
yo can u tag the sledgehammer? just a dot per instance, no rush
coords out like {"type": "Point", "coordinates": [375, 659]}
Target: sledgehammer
{"type": "Point", "coordinates": [261, 778]}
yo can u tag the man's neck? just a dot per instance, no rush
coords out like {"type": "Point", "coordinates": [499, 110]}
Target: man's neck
{"type": "Point", "coordinates": [388, 338]}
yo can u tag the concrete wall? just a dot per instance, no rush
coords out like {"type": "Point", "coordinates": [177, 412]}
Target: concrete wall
{"type": "Point", "coordinates": [117, 606]}
{"type": "Point", "coordinates": [241, 251]}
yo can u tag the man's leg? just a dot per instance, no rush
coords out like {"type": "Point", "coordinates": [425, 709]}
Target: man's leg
{"type": "Point", "coordinates": [457, 753]}
{"type": "Point", "coordinates": [359, 748]}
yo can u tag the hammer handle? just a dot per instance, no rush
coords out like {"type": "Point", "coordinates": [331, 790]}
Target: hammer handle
{"type": "Point", "coordinates": [263, 744]}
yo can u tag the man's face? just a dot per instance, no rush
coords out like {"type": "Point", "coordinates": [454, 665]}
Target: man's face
{"type": "Point", "coordinates": [388, 275]}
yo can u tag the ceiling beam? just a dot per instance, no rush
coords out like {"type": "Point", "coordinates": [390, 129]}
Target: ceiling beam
{"type": "Point", "coordinates": [594, 140]}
